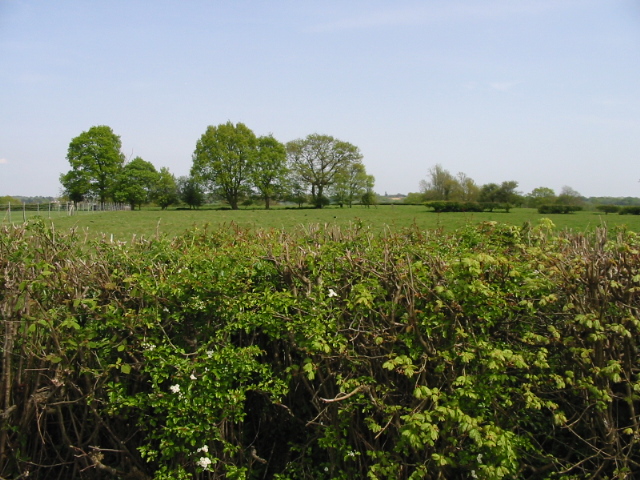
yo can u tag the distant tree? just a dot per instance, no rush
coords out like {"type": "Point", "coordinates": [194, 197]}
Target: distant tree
{"type": "Point", "coordinates": [75, 185]}
{"type": "Point", "coordinates": [316, 161]}
{"type": "Point", "coordinates": [96, 160]}
{"type": "Point", "coordinates": [540, 196]}
{"type": "Point", "coordinates": [165, 191]}
{"type": "Point", "coordinates": [296, 192]}
{"type": "Point", "coordinates": [223, 160]}
{"type": "Point", "coordinates": [504, 193]}
{"type": "Point", "coordinates": [135, 182]}
{"type": "Point", "coordinates": [468, 190]}
{"type": "Point", "coordinates": [351, 182]}
{"type": "Point", "coordinates": [190, 192]}
{"type": "Point", "coordinates": [440, 184]}
{"type": "Point", "coordinates": [369, 198]}
{"type": "Point", "coordinates": [414, 198]}
{"type": "Point", "coordinates": [269, 169]}
{"type": "Point", "coordinates": [7, 199]}
{"type": "Point", "coordinates": [569, 196]}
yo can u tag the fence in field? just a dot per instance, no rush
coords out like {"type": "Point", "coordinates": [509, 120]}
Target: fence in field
{"type": "Point", "coordinates": [21, 212]}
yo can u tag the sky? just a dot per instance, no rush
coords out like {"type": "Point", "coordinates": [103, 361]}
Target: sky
{"type": "Point", "coordinates": [543, 92]}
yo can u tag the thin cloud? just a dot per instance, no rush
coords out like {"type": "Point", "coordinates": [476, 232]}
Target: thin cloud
{"type": "Point", "coordinates": [3, 160]}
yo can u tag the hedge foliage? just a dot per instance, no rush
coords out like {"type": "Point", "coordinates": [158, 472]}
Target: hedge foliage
{"type": "Point", "coordinates": [441, 206]}
{"type": "Point", "coordinates": [497, 352]}
{"type": "Point", "coordinates": [558, 208]}
{"type": "Point", "coordinates": [630, 210]}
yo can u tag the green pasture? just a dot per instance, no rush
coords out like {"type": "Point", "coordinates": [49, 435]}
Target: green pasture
{"type": "Point", "coordinates": [124, 225]}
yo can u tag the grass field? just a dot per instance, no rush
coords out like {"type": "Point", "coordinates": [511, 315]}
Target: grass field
{"type": "Point", "coordinates": [123, 225]}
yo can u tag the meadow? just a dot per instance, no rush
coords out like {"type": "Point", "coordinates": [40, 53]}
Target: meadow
{"type": "Point", "coordinates": [150, 222]}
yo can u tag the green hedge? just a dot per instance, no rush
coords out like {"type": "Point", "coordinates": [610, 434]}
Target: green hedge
{"type": "Point", "coordinates": [545, 209]}
{"type": "Point", "coordinates": [630, 210]}
{"type": "Point", "coordinates": [452, 206]}
{"type": "Point", "coordinates": [495, 352]}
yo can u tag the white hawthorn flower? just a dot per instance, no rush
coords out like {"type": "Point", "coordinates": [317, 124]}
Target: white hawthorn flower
{"type": "Point", "coordinates": [193, 377]}
{"type": "Point", "coordinates": [204, 449]}
{"type": "Point", "coordinates": [175, 388]}
{"type": "Point", "coordinates": [204, 462]}
{"type": "Point", "coordinates": [332, 293]}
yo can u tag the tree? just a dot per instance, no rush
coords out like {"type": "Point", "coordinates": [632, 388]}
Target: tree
{"type": "Point", "coordinates": [8, 199]}
{"type": "Point", "coordinates": [504, 193]}
{"type": "Point", "coordinates": [351, 183]}
{"type": "Point", "coordinates": [165, 191]}
{"type": "Point", "coordinates": [317, 160]}
{"type": "Point", "coordinates": [269, 169]}
{"type": "Point", "coordinates": [190, 192]}
{"type": "Point", "coordinates": [439, 185]}
{"type": "Point", "coordinates": [96, 160]}
{"type": "Point", "coordinates": [569, 196]}
{"type": "Point", "coordinates": [223, 160]}
{"type": "Point", "coordinates": [540, 196]}
{"type": "Point", "coordinates": [75, 184]}
{"type": "Point", "coordinates": [135, 183]}
{"type": "Point", "coordinates": [468, 190]}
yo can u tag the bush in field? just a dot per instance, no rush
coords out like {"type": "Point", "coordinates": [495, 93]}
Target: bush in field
{"type": "Point", "coordinates": [329, 354]}
{"type": "Point", "coordinates": [556, 208]}
{"type": "Point", "coordinates": [440, 206]}
{"type": "Point", "coordinates": [630, 210]}
{"type": "Point", "coordinates": [607, 209]}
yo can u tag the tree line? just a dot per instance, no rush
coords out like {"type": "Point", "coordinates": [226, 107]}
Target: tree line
{"type": "Point", "coordinates": [442, 185]}
{"type": "Point", "coordinates": [230, 163]}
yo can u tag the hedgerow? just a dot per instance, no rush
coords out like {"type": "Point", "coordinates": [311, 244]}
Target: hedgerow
{"type": "Point", "coordinates": [494, 352]}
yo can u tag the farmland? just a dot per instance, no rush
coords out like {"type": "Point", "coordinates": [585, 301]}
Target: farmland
{"type": "Point", "coordinates": [124, 225]}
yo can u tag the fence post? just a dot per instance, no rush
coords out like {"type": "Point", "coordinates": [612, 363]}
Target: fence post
{"type": "Point", "coordinates": [24, 212]}
{"type": "Point", "coordinates": [9, 212]}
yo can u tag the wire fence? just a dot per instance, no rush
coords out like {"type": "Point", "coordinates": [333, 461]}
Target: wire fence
{"type": "Point", "coordinates": [21, 212]}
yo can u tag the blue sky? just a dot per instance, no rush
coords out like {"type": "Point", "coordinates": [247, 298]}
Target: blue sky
{"type": "Point", "coordinates": [544, 92]}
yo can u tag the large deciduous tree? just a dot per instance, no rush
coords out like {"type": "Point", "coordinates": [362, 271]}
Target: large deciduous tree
{"type": "Point", "coordinates": [269, 169]}
{"type": "Point", "coordinates": [135, 182]}
{"type": "Point", "coordinates": [316, 161]}
{"type": "Point", "coordinates": [223, 160]}
{"type": "Point", "coordinates": [95, 160]}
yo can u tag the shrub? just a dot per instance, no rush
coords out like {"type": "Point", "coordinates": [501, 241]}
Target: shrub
{"type": "Point", "coordinates": [630, 210]}
{"type": "Point", "coordinates": [555, 208]}
{"type": "Point", "coordinates": [440, 206]}
{"type": "Point", "coordinates": [607, 209]}
{"type": "Point", "coordinates": [495, 352]}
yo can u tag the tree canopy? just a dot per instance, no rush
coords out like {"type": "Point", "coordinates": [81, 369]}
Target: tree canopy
{"type": "Point", "coordinates": [317, 160]}
{"type": "Point", "coordinates": [223, 160]}
{"type": "Point", "coordinates": [269, 169]}
{"type": "Point", "coordinates": [95, 160]}
{"type": "Point", "coordinates": [165, 191]}
{"type": "Point", "coordinates": [135, 182]}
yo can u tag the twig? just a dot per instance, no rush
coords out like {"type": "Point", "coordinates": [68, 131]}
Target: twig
{"type": "Point", "coordinates": [344, 397]}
